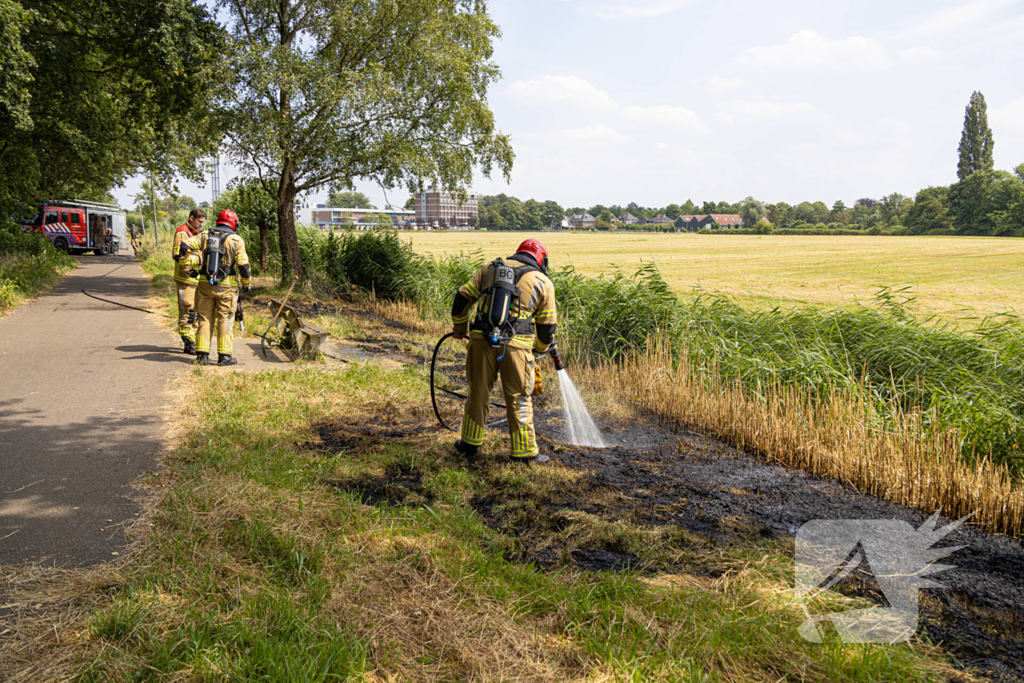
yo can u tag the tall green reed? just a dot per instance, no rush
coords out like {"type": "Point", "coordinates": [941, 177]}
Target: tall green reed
{"type": "Point", "coordinates": [970, 383]}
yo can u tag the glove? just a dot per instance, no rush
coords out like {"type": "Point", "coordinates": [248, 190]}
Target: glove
{"type": "Point", "coordinates": [538, 382]}
{"type": "Point", "coordinates": [193, 273]}
{"type": "Point", "coordinates": [240, 315]}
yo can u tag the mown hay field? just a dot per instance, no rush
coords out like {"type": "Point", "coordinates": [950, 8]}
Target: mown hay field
{"type": "Point", "coordinates": [954, 277]}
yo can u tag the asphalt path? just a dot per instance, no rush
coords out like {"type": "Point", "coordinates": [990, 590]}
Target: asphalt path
{"type": "Point", "coordinates": [82, 400]}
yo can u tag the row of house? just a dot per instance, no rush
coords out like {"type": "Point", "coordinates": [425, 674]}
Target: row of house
{"type": "Point", "coordinates": [682, 224]}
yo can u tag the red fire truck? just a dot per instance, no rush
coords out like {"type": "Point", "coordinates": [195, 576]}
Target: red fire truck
{"type": "Point", "coordinates": [78, 227]}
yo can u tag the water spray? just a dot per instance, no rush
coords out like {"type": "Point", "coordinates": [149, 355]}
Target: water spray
{"type": "Point", "coordinates": [583, 431]}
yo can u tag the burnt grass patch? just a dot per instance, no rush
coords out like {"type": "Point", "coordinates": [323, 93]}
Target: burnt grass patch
{"type": "Point", "coordinates": [715, 496]}
{"type": "Point", "coordinates": [395, 487]}
{"type": "Point", "coordinates": [683, 479]}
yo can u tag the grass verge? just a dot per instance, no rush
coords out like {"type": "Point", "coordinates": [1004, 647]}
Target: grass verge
{"type": "Point", "coordinates": [312, 525]}
{"type": "Point", "coordinates": [28, 264]}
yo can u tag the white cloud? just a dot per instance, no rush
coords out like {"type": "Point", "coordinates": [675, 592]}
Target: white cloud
{"type": "Point", "coordinates": [921, 54]}
{"type": "Point", "coordinates": [748, 112]}
{"type": "Point", "coordinates": [662, 145]}
{"type": "Point", "coordinates": [723, 85]}
{"type": "Point", "coordinates": [632, 9]}
{"type": "Point", "coordinates": [955, 19]}
{"type": "Point", "coordinates": [808, 50]}
{"type": "Point", "coordinates": [1009, 117]}
{"type": "Point", "coordinates": [560, 90]}
{"type": "Point", "coordinates": [598, 135]}
{"type": "Point", "coordinates": [666, 115]}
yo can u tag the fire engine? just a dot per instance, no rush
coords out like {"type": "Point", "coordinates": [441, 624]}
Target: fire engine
{"type": "Point", "coordinates": [76, 227]}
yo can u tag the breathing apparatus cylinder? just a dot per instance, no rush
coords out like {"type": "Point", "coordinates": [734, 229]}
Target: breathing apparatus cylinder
{"type": "Point", "coordinates": [211, 258]}
{"type": "Point", "coordinates": [503, 291]}
{"type": "Point", "coordinates": [559, 365]}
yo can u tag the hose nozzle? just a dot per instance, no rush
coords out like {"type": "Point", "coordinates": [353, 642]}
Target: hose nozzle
{"type": "Point", "coordinates": [559, 366]}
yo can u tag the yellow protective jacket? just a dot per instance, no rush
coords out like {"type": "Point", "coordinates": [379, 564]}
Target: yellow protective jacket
{"type": "Point", "coordinates": [181, 268]}
{"type": "Point", "coordinates": [235, 260]}
{"type": "Point", "coordinates": [536, 302]}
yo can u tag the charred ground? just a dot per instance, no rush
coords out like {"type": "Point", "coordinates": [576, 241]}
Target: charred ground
{"type": "Point", "coordinates": [657, 475]}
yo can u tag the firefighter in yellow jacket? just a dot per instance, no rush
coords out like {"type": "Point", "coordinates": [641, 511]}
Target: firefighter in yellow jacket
{"type": "Point", "coordinates": [186, 284]}
{"type": "Point", "coordinates": [219, 256]}
{"type": "Point", "coordinates": [516, 318]}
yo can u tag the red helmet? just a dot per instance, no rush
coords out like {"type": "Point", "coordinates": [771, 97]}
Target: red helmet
{"type": "Point", "coordinates": [229, 218]}
{"type": "Point", "coordinates": [535, 249]}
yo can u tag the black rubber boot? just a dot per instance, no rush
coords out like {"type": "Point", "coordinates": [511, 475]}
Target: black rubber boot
{"type": "Point", "coordinates": [533, 460]}
{"type": "Point", "coordinates": [204, 359]}
{"type": "Point", "coordinates": [227, 359]}
{"type": "Point", "coordinates": [466, 449]}
{"type": "Point", "coordinates": [190, 347]}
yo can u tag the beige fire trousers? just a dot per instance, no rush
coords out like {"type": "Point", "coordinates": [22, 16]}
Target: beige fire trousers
{"type": "Point", "coordinates": [516, 368]}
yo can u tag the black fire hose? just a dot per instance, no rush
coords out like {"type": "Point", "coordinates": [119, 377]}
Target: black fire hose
{"type": "Point", "coordinates": [434, 388]}
{"type": "Point", "coordinates": [116, 303]}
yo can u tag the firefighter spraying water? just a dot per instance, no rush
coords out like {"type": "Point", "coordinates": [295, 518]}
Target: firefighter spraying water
{"type": "Point", "coordinates": [514, 326]}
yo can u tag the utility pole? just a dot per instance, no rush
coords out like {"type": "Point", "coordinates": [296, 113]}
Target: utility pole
{"type": "Point", "coordinates": [152, 198]}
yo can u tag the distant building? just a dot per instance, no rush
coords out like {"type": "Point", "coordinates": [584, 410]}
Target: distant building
{"type": "Point", "coordinates": [727, 220]}
{"type": "Point", "coordinates": [329, 217]}
{"type": "Point", "coordinates": [629, 219]}
{"type": "Point", "coordinates": [660, 219]}
{"type": "Point", "coordinates": [441, 209]}
{"type": "Point", "coordinates": [581, 220]}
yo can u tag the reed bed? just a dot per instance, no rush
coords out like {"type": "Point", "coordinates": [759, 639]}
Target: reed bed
{"type": "Point", "coordinates": [836, 436]}
{"type": "Point", "coordinates": [910, 408]}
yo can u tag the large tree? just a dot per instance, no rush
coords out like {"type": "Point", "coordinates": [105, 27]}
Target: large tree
{"type": "Point", "coordinates": [327, 91]}
{"type": "Point", "coordinates": [751, 211]}
{"type": "Point", "coordinates": [247, 198]}
{"type": "Point", "coordinates": [976, 139]}
{"type": "Point", "coordinates": [92, 91]}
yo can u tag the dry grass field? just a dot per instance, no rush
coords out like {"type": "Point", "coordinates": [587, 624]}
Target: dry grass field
{"type": "Point", "coordinates": [955, 277]}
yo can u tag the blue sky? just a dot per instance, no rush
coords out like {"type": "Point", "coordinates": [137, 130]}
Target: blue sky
{"type": "Point", "coordinates": [658, 101]}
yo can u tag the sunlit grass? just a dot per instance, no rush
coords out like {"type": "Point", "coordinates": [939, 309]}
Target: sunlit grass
{"type": "Point", "coordinates": [950, 276]}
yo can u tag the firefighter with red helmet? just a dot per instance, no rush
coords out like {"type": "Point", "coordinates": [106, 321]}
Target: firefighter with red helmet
{"type": "Point", "coordinates": [222, 264]}
{"type": "Point", "coordinates": [515, 320]}
{"type": "Point", "coordinates": [186, 284]}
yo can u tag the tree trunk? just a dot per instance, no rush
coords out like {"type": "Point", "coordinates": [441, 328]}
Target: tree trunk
{"type": "Point", "coordinates": [291, 260]}
{"type": "Point", "coordinates": [264, 245]}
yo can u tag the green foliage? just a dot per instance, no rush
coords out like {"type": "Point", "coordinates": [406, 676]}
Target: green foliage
{"type": "Point", "coordinates": [15, 64]}
{"type": "Point", "coordinates": [970, 382]}
{"type": "Point", "coordinates": [976, 140]}
{"type": "Point", "coordinates": [28, 262]}
{"type": "Point", "coordinates": [133, 76]}
{"type": "Point", "coordinates": [395, 92]}
{"type": "Point", "coordinates": [501, 212]}
{"type": "Point", "coordinates": [257, 222]}
{"type": "Point", "coordinates": [751, 211]}
{"type": "Point", "coordinates": [349, 200]}
{"type": "Point", "coordinates": [983, 203]}
{"type": "Point", "coordinates": [375, 260]}
{"type": "Point", "coordinates": [930, 211]}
